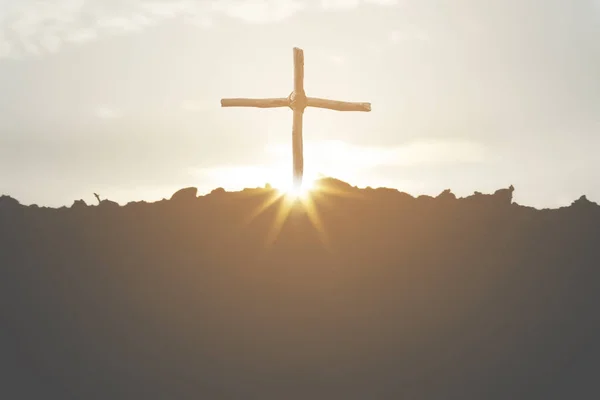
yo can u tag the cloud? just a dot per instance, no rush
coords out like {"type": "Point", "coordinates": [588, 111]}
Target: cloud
{"type": "Point", "coordinates": [81, 36]}
{"type": "Point", "coordinates": [338, 60]}
{"type": "Point", "coordinates": [32, 27]}
{"type": "Point", "coordinates": [435, 153]}
{"type": "Point", "coordinates": [419, 153]}
{"type": "Point", "coordinates": [347, 4]}
{"type": "Point", "coordinates": [124, 24]}
{"type": "Point", "coordinates": [35, 27]}
{"type": "Point", "coordinates": [104, 112]}
{"type": "Point", "coordinates": [329, 4]}
{"type": "Point", "coordinates": [5, 47]}
{"type": "Point", "coordinates": [355, 164]}
{"type": "Point", "coordinates": [259, 11]}
{"type": "Point", "coordinates": [192, 105]}
{"type": "Point", "coordinates": [384, 2]}
{"type": "Point", "coordinates": [409, 34]}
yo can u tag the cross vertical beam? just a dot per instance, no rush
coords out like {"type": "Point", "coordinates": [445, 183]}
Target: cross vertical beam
{"type": "Point", "coordinates": [298, 70]}
{"type": "Point", "coordinates": [298, 102]}
{"type": "Point", "coordinates": [297, 153]}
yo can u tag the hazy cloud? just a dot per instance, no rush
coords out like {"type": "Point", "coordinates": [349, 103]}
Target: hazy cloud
{"type": "Point", "coordinates": [345, 4]}
{"type": "Point", "coordinates": [194, 105]}
{"type": "Point", "coordinates": [81, 36]}
{"type": "Point", "coordinates": [35, 27]}
{"type": "Point", "coordinates": [340, 3]}
{"type": "Point", "coordinates": [259, 11]}
{"type": "Point", "coordinates": [29, 27]}
{"type": "Point", "coordinates": [341, 160]}
{"type": "Point", "coordinates": [410, 33]}
{"type": "Point", "coordinates": [338, 60]}
{"type": "Point", "coordinates": [5, 47]}
{"type": "Point", "coordinates": [419, 153]}
{"type": "Point", "coordinates": [105, 112]}
{"type": "Point", "coordinates": [384, 2]}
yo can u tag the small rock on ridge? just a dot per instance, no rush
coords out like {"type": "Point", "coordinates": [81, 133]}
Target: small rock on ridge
{"type": "Point", "coordinates": [185, 194]}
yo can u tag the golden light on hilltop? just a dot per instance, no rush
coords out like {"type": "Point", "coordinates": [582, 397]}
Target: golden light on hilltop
{"type": "Point", "coordinates": [295, 193]}
{"type": "Point", "coordinates": [287, 198]}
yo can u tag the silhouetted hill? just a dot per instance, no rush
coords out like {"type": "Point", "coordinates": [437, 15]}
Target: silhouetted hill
{"type": "Point", "coordinates": [360, 294]}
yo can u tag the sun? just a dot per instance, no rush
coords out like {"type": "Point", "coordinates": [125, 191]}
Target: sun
{"type": "Point", "coordinates": [286, 199]}
{"type": "Point", "coordinates": [293, 192]}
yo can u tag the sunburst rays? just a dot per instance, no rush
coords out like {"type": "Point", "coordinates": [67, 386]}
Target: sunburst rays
{"type": "Point", "coordinates": [308, 200]}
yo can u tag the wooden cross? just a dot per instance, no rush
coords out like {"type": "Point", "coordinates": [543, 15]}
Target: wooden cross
{"type": "Point", "coordinates": [297, 101]}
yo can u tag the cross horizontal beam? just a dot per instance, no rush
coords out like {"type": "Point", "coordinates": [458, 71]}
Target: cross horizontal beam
{"type": "Point", "coordinates": [260, 103]}
{"type": "Point", "coordinates": [285, 102]}
{"type": "Point", "coordinates": [337, 105]}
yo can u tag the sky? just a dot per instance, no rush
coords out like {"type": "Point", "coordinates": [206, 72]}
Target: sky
{"type": "Point", "coordinates": [122, 98]}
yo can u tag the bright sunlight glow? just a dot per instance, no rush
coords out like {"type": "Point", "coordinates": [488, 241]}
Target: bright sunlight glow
{"type": "Point", "coordinates": [297, 193]}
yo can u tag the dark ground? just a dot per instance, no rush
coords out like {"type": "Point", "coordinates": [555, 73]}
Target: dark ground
{"type": "Point", "coordinates": [400, 298]}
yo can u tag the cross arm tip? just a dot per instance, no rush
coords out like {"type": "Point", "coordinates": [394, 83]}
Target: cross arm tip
{"type": "Point", "coordinates": [338, 105]}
